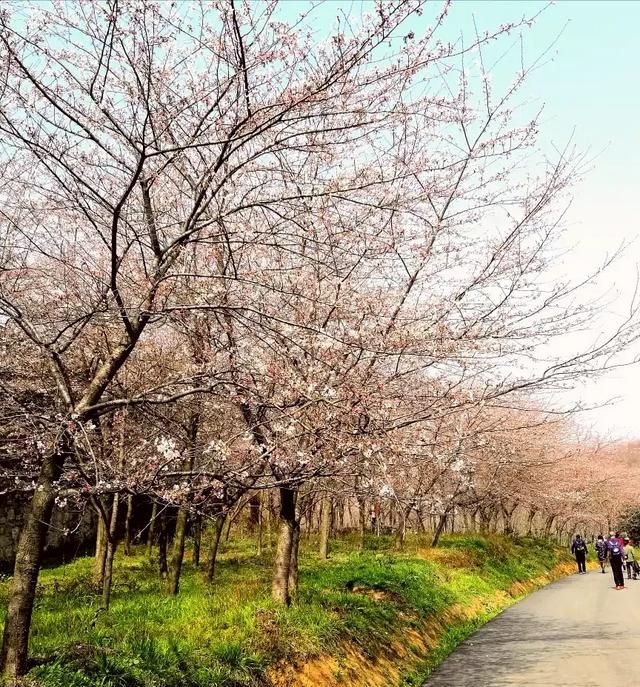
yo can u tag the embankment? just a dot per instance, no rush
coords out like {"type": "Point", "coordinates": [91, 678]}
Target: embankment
{"type": "Point", "coordinates": [376, 618]}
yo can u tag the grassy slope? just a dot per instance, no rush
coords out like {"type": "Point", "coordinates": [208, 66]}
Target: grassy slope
{"type": "Point", "coordinates": [392, 616]}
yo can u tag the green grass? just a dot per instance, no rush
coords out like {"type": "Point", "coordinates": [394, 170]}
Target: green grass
{"type": "Point", "coordinates": [229, 633]}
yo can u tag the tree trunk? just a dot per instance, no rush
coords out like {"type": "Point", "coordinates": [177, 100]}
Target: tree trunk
{"type": "Point", "coordinates": [362, 523]}
{"type": "Point", "coordinates": [17, 624]}
{"type": "Point", "coordinates": [420, 521]}
{"type": "Point", "coordinates": [229, 523]}
{"type": "Point", "coordinates": [317, 522]}
{"type": "Point", "coordinates": [465, 521]}
{"type": "Point", "coordinates": [101, 552]}
{"type": "Point", "coordinates": [260, 529]}
{"type": "Point", "coordinates": [325, 524]}
{"type": "Point", "coordinates": [440, 527]}
{"type": "Point", "coordinates": [282, 565]}
{"type": "Point", "coordinates": [485, 517]}
{"type": "Point", "coordinates": [254, 513]}
{"type": "Point", "coordinates": [215, 545]}
{"type": "Point", "coordinates": [400, 535]}
{"type": "Point", "coordinates": [493, 521]}
{"type": "Point", "coordinates": [293, 564]}
{"type": "Point", "coordinates": [162, 547]}
{"type": "Point", "coordinates": [401, 531]}
{"type": "Point", "coordinates": [508, 512]}
{"type": "Point", "coordinates": [178, 550]}
{"type": "Point", "coordinates": [107, 583]}
{"type": "Point", "coordinates": [183, 512]}
{"type": "Point", "coordinates": [113, 527]}
{"type": "Point", "coordinates": [309, 511]}
{"type": "Point", "coordinates": [548, 525]}
{"type": "Point", "coordinates": [197, 540]}
{"type": "Point", "coordinates": [530, 518]}
{"type": "Point", "coordinates": [339, 520]}
{"type": "Point", "coordinates": [270, 520]}
{"type": "Point", "coordinates": [152, 529]}
{"type": "Point", "coordinates": [127, 526]}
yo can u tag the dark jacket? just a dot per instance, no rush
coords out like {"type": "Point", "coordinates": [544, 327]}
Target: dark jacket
{"type": "Point", "coordinates": [601, 549]}
{"type": "Point", "coordinates": [579, 547]}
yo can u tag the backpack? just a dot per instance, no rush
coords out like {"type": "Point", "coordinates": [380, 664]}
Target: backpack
{"type": "Point", "coordinates": [579, 546]}
{"type": "Point", "coordinates": [615, 549]}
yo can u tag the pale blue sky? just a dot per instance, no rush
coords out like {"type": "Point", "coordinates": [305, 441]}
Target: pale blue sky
{"type": "Point", "coordinates": [592, 87]}
{"type": "Point", "coordinates": [591, 90]}
{"type": "Point", "coordinates": [593, 82]}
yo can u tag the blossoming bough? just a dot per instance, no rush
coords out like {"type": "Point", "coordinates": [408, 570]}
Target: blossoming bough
{"type": "Point", "coordinates": [348, 216]}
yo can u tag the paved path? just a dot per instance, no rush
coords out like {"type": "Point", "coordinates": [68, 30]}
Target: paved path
{"type": "Point", "coordinates": [578, 631]}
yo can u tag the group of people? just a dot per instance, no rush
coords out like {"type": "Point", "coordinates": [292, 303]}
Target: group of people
{"type": "Point", "coordinates": [618, 550]}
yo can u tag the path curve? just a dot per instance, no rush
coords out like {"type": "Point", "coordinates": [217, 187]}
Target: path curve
{"type": "Point", "coordinates": [578, 631]}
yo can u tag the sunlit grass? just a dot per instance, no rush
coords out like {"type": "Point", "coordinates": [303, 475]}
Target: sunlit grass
{"type": "Point", "coordinates": [227, 634]}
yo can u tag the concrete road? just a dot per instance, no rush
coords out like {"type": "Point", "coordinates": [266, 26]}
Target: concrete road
{"type": "Point", "coordinates": [578, 631]}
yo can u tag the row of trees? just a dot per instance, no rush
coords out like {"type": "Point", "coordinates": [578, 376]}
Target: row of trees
{"type": "Point", "coordinates": [241, 258]}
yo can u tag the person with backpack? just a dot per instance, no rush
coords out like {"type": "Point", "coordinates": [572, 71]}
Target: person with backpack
{"type": "Point", "coordinates": [630, 559]}
{"type": "Point", "coordinates": [615, 553]}
{"type": "Point", "coordinates": [601, 551]}
{"type": "Point", "coordinates": [579, 550]}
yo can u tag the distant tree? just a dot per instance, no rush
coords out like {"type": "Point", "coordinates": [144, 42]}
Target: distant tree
{"type": "Point", "coordinates": [629, 522]}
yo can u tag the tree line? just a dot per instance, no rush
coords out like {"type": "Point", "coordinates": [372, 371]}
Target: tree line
{"type": "Point", "coordinates": [243, 261]}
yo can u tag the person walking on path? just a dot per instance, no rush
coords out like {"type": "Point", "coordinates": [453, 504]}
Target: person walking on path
{"type": "Point", "coordinates": [615, 553]}
{"type": "Point", "coordinates": [630, 559]}
{"type": "Point", "coordinates": [579, 550]}
{"type": "Point", "coordinates": [601, 551]}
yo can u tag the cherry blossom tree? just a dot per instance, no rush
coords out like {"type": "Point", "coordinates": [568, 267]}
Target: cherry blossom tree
{"type": "Point", "coordinates": [136, 158]}
{"type": "Point", "coordinates": [338, 243]}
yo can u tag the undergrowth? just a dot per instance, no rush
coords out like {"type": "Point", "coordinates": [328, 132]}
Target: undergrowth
{"type": "Point", "coordinates": [228, 634]}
